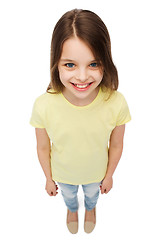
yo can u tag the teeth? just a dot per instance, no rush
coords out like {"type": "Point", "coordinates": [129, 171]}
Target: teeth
{"type": "Point", "coordinates": [81, 86]}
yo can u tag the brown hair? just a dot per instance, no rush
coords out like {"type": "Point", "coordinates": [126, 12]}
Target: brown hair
{"type": "Point", "coordinates": [90, 28]}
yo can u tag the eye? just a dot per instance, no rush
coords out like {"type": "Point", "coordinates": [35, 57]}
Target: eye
{"type": "Point", "coordinates": [94, 65]}
{"type": "Point", "coordinates": [70, 65]}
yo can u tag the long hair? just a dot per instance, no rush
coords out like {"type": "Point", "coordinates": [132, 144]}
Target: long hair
{"type": "Point", "coordinates": [89, 27]}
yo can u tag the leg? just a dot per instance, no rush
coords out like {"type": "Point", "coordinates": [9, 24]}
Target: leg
{"type": "Point", "coordinates": [91, 193]}
{"type": "Point", "coordinates": [69, 193]}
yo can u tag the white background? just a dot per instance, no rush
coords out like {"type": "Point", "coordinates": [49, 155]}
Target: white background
{"type": "Point", "coordinates": [136, 207]}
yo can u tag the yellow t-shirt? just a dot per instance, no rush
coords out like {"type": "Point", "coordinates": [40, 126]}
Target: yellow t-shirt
{"type": "Point", "coordinates": [79, 134]}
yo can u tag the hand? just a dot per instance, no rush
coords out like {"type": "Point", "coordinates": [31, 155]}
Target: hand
{"type": "Point", "coordinates": [106, 185]}
{"type": "Point", "coordinates": [51, 188]}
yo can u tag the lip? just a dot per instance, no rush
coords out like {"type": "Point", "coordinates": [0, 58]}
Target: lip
{"type": "Point", "coordinates": [81, 83]}
{"type": "Point", "coordinates": [82, 89]}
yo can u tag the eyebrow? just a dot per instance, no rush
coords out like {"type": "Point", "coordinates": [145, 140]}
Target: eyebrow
{"type": "Point", "coordinates": [70, 60]}
{"type": "Point", "coordinates": [67, 60]}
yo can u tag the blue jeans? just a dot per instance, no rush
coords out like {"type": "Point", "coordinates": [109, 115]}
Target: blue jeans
{"type": "Point", "coordinates": [69, 193]}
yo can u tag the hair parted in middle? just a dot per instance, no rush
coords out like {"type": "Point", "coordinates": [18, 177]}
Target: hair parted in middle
{"type": "Point", "coordinates": [88, 27]}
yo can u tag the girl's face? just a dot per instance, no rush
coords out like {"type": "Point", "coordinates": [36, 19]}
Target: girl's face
{"type": "Point", "coordinates": [79, 72]}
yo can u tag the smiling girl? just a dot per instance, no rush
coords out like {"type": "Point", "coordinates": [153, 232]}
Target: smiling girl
{"type": "Point", "coordinates": [80, 120]}
{"type": "Point", "coordinates": [79, 72]}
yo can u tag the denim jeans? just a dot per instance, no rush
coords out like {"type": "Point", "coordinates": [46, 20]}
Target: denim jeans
{"type": "Point", "coordinates": [69, 193]}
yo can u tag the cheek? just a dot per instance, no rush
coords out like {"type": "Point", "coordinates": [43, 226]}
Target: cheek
{"type": "Point", "coordinates": [98, 76]}
{"type": "Point", "coordinates": [65, 75]}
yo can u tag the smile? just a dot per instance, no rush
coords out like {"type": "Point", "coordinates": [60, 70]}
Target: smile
{"type": "Point", "coordinates": [81, 87]}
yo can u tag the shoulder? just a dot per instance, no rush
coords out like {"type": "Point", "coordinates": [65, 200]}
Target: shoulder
{"type": "Point", "coordinates": [45, 99]}
{"type": "Point", "coordinates": [45, 102]}
{"type": "Point", "coordinates": [118, 95]}
{"type": "Point", "coordinates": [115, 96]}
{"type": "Point", "coordinates": [41, 98]}
{"type": "Point", "coordinates": [119, 100]}
{"type": "Point", "coordinates": [115, 103]}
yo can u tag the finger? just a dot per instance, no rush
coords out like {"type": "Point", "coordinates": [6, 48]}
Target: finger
{"type": "Point", "coordinates": [108, 190]}
{"type": "Point", "coordinates": [55, 193]}
{"type": "Point", "coordinates": [102, 190]}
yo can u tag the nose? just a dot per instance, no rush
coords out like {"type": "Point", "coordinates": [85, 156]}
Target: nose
{"type": "Point", "coordinates": [82, 75]}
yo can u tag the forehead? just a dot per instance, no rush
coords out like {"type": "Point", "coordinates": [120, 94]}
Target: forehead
{"type": "Point", "coordinates": [76, 49]}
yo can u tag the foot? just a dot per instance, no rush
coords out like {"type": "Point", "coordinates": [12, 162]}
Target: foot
{"type": "Point", "coordinates": [90, 216]}
{"type": "Point", "coordinates": [72, 221]}
{"type": "Point", "coordinates": [72, 216]}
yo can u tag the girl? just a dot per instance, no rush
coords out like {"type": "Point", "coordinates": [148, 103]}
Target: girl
{"type": "Point", "coordinates": [82, 114]}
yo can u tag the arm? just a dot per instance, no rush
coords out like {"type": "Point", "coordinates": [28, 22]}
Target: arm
{"type": "Point", "coordinates": [43, 152]}
{"type": "Point", "coordinates": [115, 152]}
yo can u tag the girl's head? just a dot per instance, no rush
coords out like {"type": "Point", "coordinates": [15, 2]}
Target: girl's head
{"type": "Point", "coordinates": [90, 29]}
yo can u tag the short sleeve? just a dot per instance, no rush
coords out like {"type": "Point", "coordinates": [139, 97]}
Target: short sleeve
{"type": "Point", "coordinates": [124, 113]}
{"type": "Point", "coordinates": [37, 120]}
